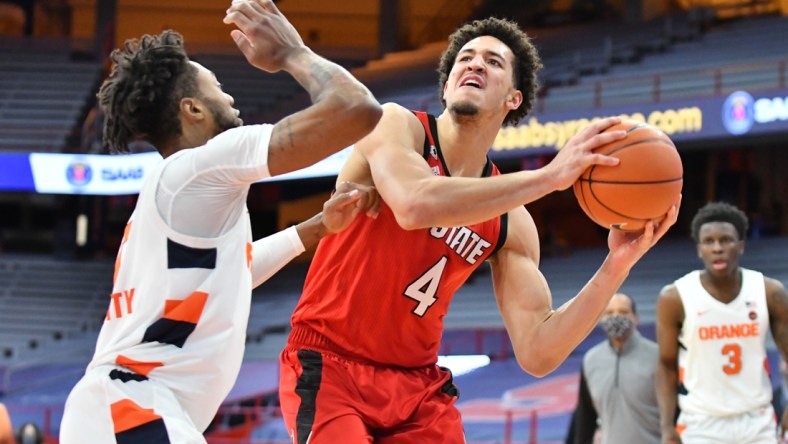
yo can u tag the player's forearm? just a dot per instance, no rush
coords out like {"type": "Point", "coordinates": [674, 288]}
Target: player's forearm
{"type": "Point", "coordinates": [325, 81]}
{"type": "Point", "coordinates": [466, 201]}
{"type": "Point", "coordinates": [560, 333]}
{"type": "Point", "coordinates": [271, 253]}
{"type": "Point", "coordinates": [312, 230]}
{"type": "Point", "coordinates": [666, 381]}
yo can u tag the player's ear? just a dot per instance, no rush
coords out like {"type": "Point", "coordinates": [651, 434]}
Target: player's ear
{"type": "Point", "coordinates": [514, 99]}
{"type": "Point", "coordinates": [192, 108]}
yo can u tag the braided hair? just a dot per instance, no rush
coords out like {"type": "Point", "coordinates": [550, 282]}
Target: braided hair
{"type": "Point", "coordinates": [526, 59]}
{"type": "Point", "coordinates": [141, 96]}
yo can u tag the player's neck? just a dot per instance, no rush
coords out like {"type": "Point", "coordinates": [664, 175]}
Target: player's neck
{"type": "Point", "coordinates": [723, 287]}
{"type": "Point", "coordinates": [465, 143]}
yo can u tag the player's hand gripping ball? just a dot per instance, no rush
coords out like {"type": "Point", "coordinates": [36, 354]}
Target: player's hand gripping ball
{"type": "Point", "coordinates": [643, 186]}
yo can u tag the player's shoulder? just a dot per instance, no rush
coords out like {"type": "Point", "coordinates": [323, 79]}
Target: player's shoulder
{"type": "Point", "coordinates": [670, 307]}
{"type": "Point", "coordinates": [669, 291]}
{"type": "Point", "coordinates": [521, 233]}
{"type": "Point", "coordinates": [773, 286]}
{"type": "Point", "coordinates": [395, 111]}
{"type": "Point", "coordinates": [398, 125]}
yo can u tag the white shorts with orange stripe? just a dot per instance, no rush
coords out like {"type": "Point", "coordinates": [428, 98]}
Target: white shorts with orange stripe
{"type": "Point", "coordinates": [753, 427]}
{"type": "Point", "coordinates": [102, 408]}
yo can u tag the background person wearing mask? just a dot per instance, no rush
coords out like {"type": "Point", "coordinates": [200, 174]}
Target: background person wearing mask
{"type": "Point", "coordinates": [617, 397]}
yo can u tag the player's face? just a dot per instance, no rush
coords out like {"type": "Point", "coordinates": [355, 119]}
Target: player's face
{"type": "Point", "coordinates": [219, 103]}
{"type": "Point", "coordinates": [719, 247]}
{"type": "Point", "coordinates": [481, 79]}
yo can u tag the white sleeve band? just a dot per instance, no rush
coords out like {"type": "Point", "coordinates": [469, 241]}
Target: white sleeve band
{"type": "Point", "coordinates": [271, 253]}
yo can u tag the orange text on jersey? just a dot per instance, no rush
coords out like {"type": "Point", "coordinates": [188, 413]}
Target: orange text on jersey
{"type": "Point", "coordinates": [120, 304]}
{"type": "Point", "coordinates": [728, 331]}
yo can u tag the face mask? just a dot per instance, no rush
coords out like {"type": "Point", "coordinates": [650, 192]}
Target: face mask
{"type": "Point", "coordinates": [617, 326]}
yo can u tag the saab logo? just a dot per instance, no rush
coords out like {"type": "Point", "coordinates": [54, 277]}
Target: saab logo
{"type": "Point", "coordinates": [738, 113]}
{"type": "Point", "coordinates": [769, 110]}
{"type": "Point", "coordinates": [554, 396]}
{"type": "Point", "coordinates": [113, 174]}
{"type": "Point", "coordinates": [79, 173]}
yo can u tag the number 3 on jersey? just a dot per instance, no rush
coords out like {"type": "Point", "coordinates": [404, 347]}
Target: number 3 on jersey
{"type": "Point", "coordinates": [423, 289]}
{"type": "Point", "coordinates": [733, 352]}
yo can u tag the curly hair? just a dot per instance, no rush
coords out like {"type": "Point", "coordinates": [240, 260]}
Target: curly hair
{"type": "Point", "coordinates": [141, 96]}
{"type": "Point", "coordinates": [526, 66]}
{"type": "Point", "coordinates": [720, 212]}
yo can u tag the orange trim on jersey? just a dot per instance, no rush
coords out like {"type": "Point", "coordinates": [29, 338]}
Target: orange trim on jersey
{"type": "Point", "coordinates": [249, 255]}
{"type": "Point", "coordinates": [126, 415]}
{"type": "Point", "coordinates": [766, 366]}
{"type": "Point", "coordinates": [680, 429]}
{"type": "Point", "coordinates": [126, 232]}
{"type": "Point", "coordinates": [681, 374]}
{"type": "Point", "coordinates": [139, 367]}
{"type": "Point", "coordinates": [186, 310]}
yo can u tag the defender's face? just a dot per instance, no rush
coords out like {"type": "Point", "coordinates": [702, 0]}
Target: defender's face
{"type": "Point", "coordinates": [219, 103]}
{"type": "Point", "coordinates": [720, 248]}
{"type": "Point", "coordinates": [482, 78]}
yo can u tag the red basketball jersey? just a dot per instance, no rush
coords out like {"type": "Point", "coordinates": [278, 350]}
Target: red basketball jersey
{"type": "Point", "coordinates": [377, 293]}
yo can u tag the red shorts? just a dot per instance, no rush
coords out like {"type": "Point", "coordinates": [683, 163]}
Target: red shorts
{"type": "Point", "coordinates": [327, 399]}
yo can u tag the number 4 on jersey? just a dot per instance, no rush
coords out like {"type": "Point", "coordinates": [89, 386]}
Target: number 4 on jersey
{"type": "Point", "coordinates": [423, 289]}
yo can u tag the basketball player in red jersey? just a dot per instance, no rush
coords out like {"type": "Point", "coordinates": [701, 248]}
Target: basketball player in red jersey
{"type": "Point", "coordinates": [172, 341]}
{"type": "Point", "coordinates": [360, 363]}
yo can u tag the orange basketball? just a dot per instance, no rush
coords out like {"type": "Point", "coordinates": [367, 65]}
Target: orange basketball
{"type": "Point", "coordinates": [642, 187]}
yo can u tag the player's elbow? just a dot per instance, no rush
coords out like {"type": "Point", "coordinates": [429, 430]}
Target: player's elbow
{"type": "Point", "coordinates": [367, 112]}
{"type": "Point", "coordinates": [413, 214]}
{"type": "Point", "coordinates": [359, 109]}
{"type": "Point", "coordinates": [537, 370]}
{"type": "Point", "coordinates": [538, 363]}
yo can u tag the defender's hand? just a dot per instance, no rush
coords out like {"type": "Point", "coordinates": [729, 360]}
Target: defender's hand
{"type": "Point", "coordinates": [264, 35]}
{"type": "Point", "coordinates": [349, 200]}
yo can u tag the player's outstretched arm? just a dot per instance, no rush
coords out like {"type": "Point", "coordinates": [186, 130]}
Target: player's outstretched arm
{"type": "Point", "coordinates": [670, 316]}
{"type": "Point", "coordinates": [420, 199]}
{"type": "Point", "coordinates": [542, 337]}
{"type": "Point", "coordinates": [343, 110]}
{"type": "Point", "coordinates": [271, 253]}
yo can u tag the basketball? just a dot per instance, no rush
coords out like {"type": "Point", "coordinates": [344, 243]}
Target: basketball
{"type": "Point", "coordinates": [642, 187]}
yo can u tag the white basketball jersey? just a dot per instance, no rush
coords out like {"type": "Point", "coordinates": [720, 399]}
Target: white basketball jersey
{"type": "Point", "coordinates": [723, 368]}
{"type": "Point", "coordinates": [179, 307]}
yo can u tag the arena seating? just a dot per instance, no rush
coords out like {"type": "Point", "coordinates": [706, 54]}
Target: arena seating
{"type": "Point", "coordinates": [257, 94]}
{"type": "Point", "coordinates": [570, 55]}
{"type": "Point", "coordinates": [46, 302]}
{"type": "Point", "coordinates": [729, 56]}
{"type": "Point", "coordinates": [44, 93]}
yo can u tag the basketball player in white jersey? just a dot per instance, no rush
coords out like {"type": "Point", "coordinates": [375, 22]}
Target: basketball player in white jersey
{"type": "Point", "coordinates": [173, 338]}
{"type": "Point", "coordinates": [711, 330]}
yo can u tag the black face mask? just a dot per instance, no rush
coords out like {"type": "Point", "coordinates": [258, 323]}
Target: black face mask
{"type": "Point", "coordinates": [617, 326]}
